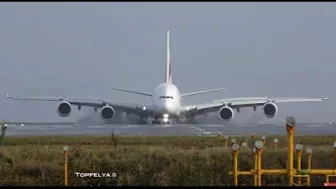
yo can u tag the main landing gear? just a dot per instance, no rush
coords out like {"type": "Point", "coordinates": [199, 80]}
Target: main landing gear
{"type": "Point", "coordinates": [155, 121]}
{"type": "Point", "coordinates": [142, 121]}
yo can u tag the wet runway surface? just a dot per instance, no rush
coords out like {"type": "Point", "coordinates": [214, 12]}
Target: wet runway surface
{"type": "Point", "coordinates": [168, 130]}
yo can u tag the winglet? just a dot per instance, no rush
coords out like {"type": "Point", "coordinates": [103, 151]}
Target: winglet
{"type": "Point", "coordinates": [9, 96]}
{"type": "Point", "coordinates": [325, 98]}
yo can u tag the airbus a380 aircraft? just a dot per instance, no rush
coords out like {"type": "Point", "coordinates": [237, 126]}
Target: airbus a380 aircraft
{"type": "Point", "coordinates": [166, 103]}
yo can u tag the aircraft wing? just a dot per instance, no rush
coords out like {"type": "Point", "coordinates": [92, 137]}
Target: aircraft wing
{"type": "Point", "coordinates": [201, 92]}
{"type": "Point", "coordinates": [134, 109]}
{"type": "Point", "coordinates": [240, 102]}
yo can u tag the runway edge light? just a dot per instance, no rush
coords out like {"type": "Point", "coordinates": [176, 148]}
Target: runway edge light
{"type": "Point", "coordinates": [235, 147]}
{"type": "Point", "coordinates": [259, 144]}
{"type": "Point", "coordinates": [299, 147]}
{"type": "Point", "coordinates": [65, 148]}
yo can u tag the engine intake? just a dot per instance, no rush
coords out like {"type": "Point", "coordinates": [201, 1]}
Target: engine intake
{"type": "Point", "coordinates": [226, 113]}
{"type": "Point", "coordinates": [270, 110]}
{"type": "Point", "coordinates": [64, 109]}
{"type": "Point", "coordinates": [107, 112]}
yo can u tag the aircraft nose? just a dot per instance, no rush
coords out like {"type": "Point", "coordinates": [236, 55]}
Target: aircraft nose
{"type": "Point", "coordinates": [168, 103]}
{"type": "Point", "coordinates": [170, 106]}
{"type": "Point", "coordinates": [162, 106]}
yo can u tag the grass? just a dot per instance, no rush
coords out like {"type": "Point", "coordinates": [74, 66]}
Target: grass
{"type": "Point", "coordinates": [164, 161]}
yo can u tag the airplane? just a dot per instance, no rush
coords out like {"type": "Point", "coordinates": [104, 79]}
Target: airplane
{"type": "Point", "coordinates": [166, 103]}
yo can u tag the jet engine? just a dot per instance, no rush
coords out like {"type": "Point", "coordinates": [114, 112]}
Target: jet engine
{"type": "Point", "coordinates": [270, 109]}
{"type": "Point", "coordinates": [107, 112]}
{"type": "Point", "coordinates": [64, 109]}
{"type": "Point", "coordinates": [226, 113]}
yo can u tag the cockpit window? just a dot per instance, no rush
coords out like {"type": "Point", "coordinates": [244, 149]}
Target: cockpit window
{"type": "Point", "coordinates": [166, 97]}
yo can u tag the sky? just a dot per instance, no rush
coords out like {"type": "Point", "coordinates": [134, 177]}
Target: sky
{"type": "Point", "coordinates": [273, 49]}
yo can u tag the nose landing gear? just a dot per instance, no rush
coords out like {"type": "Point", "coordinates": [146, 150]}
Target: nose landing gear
{"type": "Point", "coordinates": [156, 121]}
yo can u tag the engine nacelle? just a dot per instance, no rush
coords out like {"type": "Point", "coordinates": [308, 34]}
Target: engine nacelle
{"type": "Point", "coordinates": [270, 109]}
{"type": "Point", "coordinates": [107, 112]}
{"type": "Point", "coordinates": [226, 113]}
{"type": "Point", "coordinates": [64, 109]}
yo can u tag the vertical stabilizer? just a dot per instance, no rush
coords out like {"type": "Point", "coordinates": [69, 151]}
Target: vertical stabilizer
{"type": "Point", "coordinates": [168, 65]}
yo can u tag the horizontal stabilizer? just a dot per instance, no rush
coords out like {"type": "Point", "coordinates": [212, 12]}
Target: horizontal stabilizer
{"type": "Point", "coordinates": [202, 92]}
{"type": "Point", "coordinates": [133, 92]}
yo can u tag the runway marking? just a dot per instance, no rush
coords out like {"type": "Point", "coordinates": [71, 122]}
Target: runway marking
{"type": "Point", "coordinates": [315, 126]}
{"type": "Point", "coordinates": [247, 125]}
{"type": "Point", "coordinates": [95, 126]}
{"type": "Point", "coordinates": [63, 126]}
{"type": "Point", "coordinates": [130, 126]}
{"type": "Point", "coordinates": [214, 125]}
{"type": "Point", "coordinates": [310, 126]}
{"type": "Point", "coordinates": [183, 125]}
{"type": "Point", "coordinates": [280, 125]}
{"type": "Point", "coordinates": [164, 126]}
{"type": "Point", "coordinates": [197, 129]}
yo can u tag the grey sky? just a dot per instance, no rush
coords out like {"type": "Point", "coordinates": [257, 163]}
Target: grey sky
{"type": "Point", "coordinates": [253, 49]}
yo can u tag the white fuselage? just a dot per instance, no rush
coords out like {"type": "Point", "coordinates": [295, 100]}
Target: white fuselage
{"type": "Point", "coordinates": [166, 100]}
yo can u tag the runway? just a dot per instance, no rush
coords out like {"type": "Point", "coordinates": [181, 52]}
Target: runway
{"type": "Point", "coordinates": [167, 130]}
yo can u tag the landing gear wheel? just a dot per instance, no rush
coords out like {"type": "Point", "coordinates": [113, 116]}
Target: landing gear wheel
{"type": "Point", "coordinates": [155, 121]}
{"type": "Point", "coordinates": [142, 121]}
